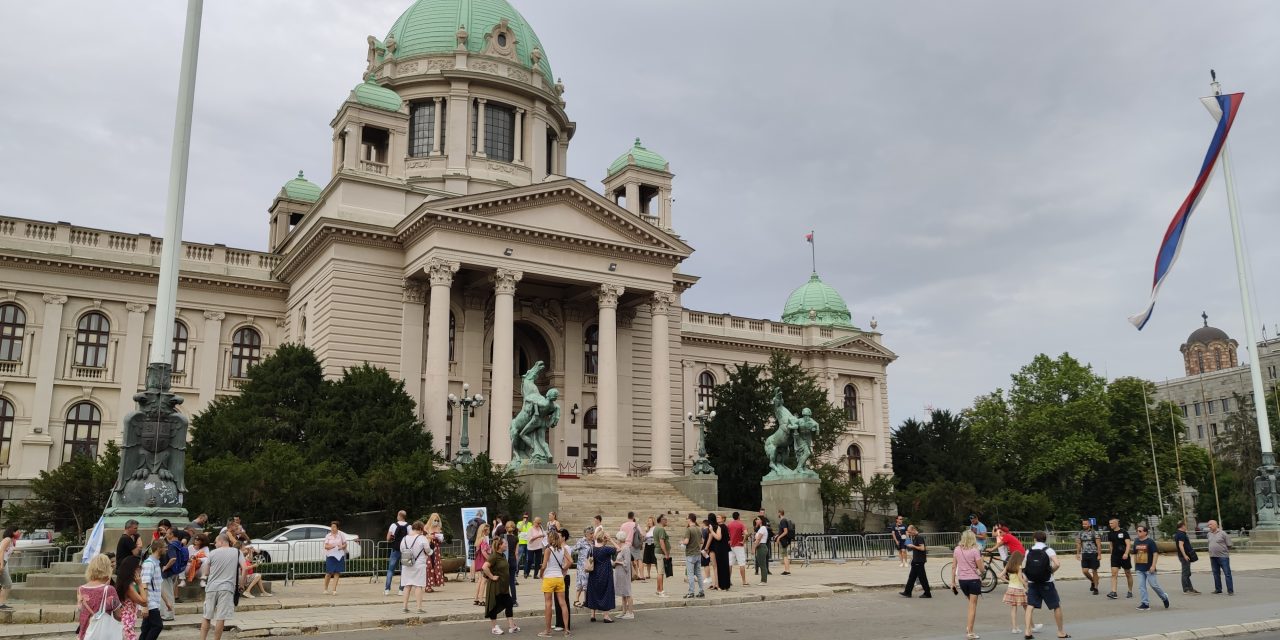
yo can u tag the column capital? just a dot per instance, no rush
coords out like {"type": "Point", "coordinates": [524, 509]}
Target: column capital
{"type": "Point", "coordinates": [216, 316]}
{"type": "Point", "coordinates": [438, 99]}
{"type": "Point", "coordinates": [441, 271]}
{"type": "Point", "coordinates": [607, 297]}
{"type": "Point", "coordinates": [54, 299]}
{"type": "Point", "coordinates": [661, 301]}
{"type": "Point", "coordinates": [504, 281]}
{"type": "Point", "coordinates": [414, 292]}
{"type": "Point", "coordinates": [482, 101]}
{"type": "Point", "coordinates": [519, 111]}
{"type": "Point", "coordinates": [137, 307]}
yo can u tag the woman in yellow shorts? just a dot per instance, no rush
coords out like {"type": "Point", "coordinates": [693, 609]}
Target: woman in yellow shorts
{"type": "Point", "coordinates": [555, 562]}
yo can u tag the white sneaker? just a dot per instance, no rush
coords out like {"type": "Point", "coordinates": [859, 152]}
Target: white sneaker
{"type": "Point", "coordinates": [628, 616]}
{"type": "Point", "coordinates": [662, 594]}
{"type": "Point", "coordinates": [386, 592]}
{"type": "Point", "coordinates": [1037, 628]}
{"type": "Point", "coordinates": [248, 595]}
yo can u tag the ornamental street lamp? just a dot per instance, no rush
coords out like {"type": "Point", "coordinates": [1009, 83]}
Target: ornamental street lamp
{"type": "Point", "coordinates": [701, 465]}
{"type": "Point", "coordinates": [469, 404]}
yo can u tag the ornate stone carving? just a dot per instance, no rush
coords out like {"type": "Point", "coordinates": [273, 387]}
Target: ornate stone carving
{"type": "Point", "coordinates": [608, 295]}
{"type": "Point", "coordinates": [518, 74]}
{"type": "Point", "coordinates": [626, 317]}
{"type": "Point", "coordinates": [414, 292]}
{"type": "Point", "coordinates": [282, 321]}
{"type": "Point", "coordinates": [137, 307]}
{"type": "Point", "coordinates": [661, 301]}
{"type": "Point", "coordinates": [550, 310]}
{"type": "Point", "coordinates": [501, 167]}
{"type": "Point", "coordinates": [559, 88]}
{"type": "Point", "coordinates": [504, 281]}
{"type": "Point", "coordinates": [439, 64]}
{"type": "Point", "coordinates": [535, 56]}
{"type": "Point", "coordinates": [461, 35]}
{"type": "Point", "coordinates": [407, 68]}
{"type": "Point", "coordinates": [793, 436]}
{"type": "Point", "coordinates": [501, 41]}
{"type": "Point", "coordinates": [215, 315]}
{"type": "Point", "coordinates": [483, 66]}
{"type": "Point", "coordinates": [538, 414]}
{"type": "Point", "coordinates": [440, 271]}
{"type": "Point", "coordinates": [53, 298]}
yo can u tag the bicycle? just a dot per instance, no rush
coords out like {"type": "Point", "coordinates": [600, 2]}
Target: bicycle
{"type": "Point", "coordinates": [990, 575]}
{"type": "Point", "coordinates": [801, 550]}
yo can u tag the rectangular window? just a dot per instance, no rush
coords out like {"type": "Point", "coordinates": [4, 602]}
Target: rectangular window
{"type": "Point", "coordinates": [1199, 432]}
{"type": "Point", "coordinates": [1214, 428]}
{"type": "Point", "coordinates": [1197, 406]}
{"type": "Point", "coordinates": [422, 128]}
{"type": "Point", "coordinates": [1184, 410]}
{"type": "Point", "coordinates": [1226, 405]}
{"type": "Point", "coordinates": [499, 131]}
{"type": "Point", "coordinates": [1271, 371]}
{"type": "Point", "coordinates": [552, 144]}
{"type": "Point", "coordinates": [1213, 406]}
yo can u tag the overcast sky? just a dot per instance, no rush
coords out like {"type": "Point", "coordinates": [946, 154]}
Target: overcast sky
{"type": "Point", "coordinates": [989, 180]}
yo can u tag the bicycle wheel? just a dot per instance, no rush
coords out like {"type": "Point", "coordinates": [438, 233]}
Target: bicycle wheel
{"type": "Point", "coordinates": [946, 575]}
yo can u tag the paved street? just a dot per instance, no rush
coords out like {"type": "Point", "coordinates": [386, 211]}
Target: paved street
{"type": "Point", "coordinates": [882, 614]}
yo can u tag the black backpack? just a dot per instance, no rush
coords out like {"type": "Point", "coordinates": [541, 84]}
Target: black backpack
{"type": "Point", "coordinates": [1038, 567]}
{"type": "Point", "coordinates": [402, 532]}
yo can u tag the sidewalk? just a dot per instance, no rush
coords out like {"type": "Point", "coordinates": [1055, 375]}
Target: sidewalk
{"type": "Point", "coordinates": [303, 608]}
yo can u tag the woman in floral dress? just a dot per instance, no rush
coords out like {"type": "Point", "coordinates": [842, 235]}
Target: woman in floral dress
{"type": "Point", "coordinates": [130, 591]}
{"type": "Point", "coordinates": [435, 568]}
{"type": "Point", "coordinates": [581, 552]}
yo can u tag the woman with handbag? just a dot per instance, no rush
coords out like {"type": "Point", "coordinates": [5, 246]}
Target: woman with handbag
{"type": "Point", "coordinates": [413, 564]}
{"type": "Point", "coordinates": [495, 574]}
{"type": "Point", "coordinates": [98, 603]}
{"type": "Point", "coordinates": [555, 566]}
{"type": "Point", "coordinates": [600, 594]}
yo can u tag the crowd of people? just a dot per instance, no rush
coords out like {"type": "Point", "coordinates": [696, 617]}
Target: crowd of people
{"type": "Point", "coordinates": [1029, 573]}
{"type": "Point", "coordinates": [604, 563]}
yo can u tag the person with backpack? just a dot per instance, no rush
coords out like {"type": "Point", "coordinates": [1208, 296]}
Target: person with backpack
{"type": "Point", "coordinates": [396, 534]}
{"type": "Point", "coordinates": [414, 549]}
{"type": "Point", "coordinates": [635, 540]}
{"type": "Point", "coordinates": [919, 556]}
{"type": "Point", "coordinates": [1039, 567]}
{"type": "Point", "coordinates": [1186, 555]}
{"type": "Point", "coordinates": [176, 559]}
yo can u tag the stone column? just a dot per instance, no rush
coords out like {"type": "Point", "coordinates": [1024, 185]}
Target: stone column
{"type": "Point", "coordinates": [607, 381]}
{"type": "Point", "coordinates": [411, 322]}
{"type": "Point", "coordinates": [32, 456]}
{"type": "Point", "coordinates": [664, 208]}
{"type": "Point", "coordinates": [457, 118]}
{"type": "Point", "coordinates": [660, 384]}
{"type": "Point", "coordinates": [437, 379]}
{"type": "Point", "coordinates": [633, 197]}
{"type": "Point", "coordinates": [538, 142]}
{"type": "Point", "coordinates": [210, 352]}
{"type": "Point", "coordinates": [480, 102]}
{"type": "Point", "coordinates": [131, 361]}
{"type": "Point", "coordinates": [435, 127]}
{"type": "Point", "coordinates": [873, 421]}
{"type": "Point", "coordinates": [503, 372]}
{"type": "Point", "coordinates": [519, 140]}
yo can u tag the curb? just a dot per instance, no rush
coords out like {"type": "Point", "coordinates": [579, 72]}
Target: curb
{"type": "Point", "coordinates": [1225, 631]}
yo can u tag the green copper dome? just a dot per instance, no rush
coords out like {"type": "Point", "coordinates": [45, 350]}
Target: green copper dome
{"type": "Point", "coordinates": [641, 157]}
{"type": "Point", "coordinates": [827, 306]}
{"type": "Point", "coordinates": [372, 94]}
{"type": "Point", "coordinates": [431, 26]}
{"type": "Point", "coordinates": [302, 189]}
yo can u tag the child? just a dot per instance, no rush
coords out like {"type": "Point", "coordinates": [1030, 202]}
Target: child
{"type": "Point", "coordinates": [1016, 595]}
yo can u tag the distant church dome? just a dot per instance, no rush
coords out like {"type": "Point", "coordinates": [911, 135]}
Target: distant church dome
{"type": "Point", "coordinates": [434, 26]}
{"type": "Point", "coordinates": [1208, 349]}
{"type": "Point", "coordinates": [641, 157]}
{"type": "Point", "coordinates": [816, 302]}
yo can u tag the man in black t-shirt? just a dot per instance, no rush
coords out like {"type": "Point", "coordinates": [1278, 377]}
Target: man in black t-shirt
{"type": "Point", "coordinates": [1121, 547]}
{"type": "Point", "coordinates": [919, 555]}
{"type": "Point", "coordinates": [130, 543]}
{"type": "Point", "coordinates": [786, 535]}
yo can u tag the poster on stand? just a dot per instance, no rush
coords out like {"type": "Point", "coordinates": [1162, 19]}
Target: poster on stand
{"type": "Point", "coordinates": [472, 518]}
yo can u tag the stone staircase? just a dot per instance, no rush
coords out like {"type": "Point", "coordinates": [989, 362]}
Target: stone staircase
{"type": "Point", "coordinates": [583, 498]}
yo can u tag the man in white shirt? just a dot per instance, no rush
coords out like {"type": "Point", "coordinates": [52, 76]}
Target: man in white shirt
{"type": "Point", "coordinates": [1042, 590]}
{"type": "Point", "coordinates": [395, 534]}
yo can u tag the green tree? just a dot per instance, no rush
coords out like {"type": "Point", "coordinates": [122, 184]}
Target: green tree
{"type": "Point", "coordinates": [942, 448]}
{"type": "Point", "coordinates": [368, 419]}
{"type": "Point", "coordinates": [485, 484]}
{"type": "Point", "coordinates": [735, 437]}
{"type": "Point", "coordinates": [276, 484]}
{"type": "Point", "coordinates": [875, 495]}
{"type": "Point", "coordinates": [834, 489]}
{"type": "Point", "coordinates": [69, 497]}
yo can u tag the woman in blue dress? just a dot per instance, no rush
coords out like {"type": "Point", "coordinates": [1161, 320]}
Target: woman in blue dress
{"type": "Point", "coordinates": [600, 579]}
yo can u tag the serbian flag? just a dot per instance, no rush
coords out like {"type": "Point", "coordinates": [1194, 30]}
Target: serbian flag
{"type": "Point", "coordinates": [808, 237]}
{"type": "Point", "coordinates": [1223, 108]}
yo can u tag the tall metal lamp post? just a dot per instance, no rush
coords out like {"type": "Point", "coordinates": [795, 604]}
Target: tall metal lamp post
{"type": "Point", "coordinates": [701, 465]}
{"type": "Point", "coordinates": [469, 403]}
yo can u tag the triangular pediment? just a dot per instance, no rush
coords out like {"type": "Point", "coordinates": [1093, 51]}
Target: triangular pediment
{"type": "Point", "coordinates": [564, 207]}
{"type": "Point", "coordinates": [860, 344]}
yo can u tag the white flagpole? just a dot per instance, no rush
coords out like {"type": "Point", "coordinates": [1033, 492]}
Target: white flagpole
{"type": "Point", "coordinates": [1251, 334]}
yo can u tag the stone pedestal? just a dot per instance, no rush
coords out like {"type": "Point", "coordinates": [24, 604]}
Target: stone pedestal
{"type": "Point", "coordinates": [799, 497]}
{"type": "Point", "coordinates": [701, 489]}
{"type": "Point", "coordinates": [542, 484]}
{"type": "Point", "coordinates": [1264, 539]}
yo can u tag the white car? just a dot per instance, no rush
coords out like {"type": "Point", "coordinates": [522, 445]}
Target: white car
{"type": "Point", "coordinates": [36, 538]}
{"type": "Point", "coordinates": [298, 543]}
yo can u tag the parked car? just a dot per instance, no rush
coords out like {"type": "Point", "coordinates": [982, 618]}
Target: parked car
{"type": "Point", "coordinates": [298, 543]}
{"type": "Point", "coordinates": [36, 538]}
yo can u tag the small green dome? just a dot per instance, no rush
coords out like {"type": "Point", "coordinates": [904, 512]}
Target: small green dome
{"type": "Point", "coordinates": [372, 94]}
{"type": "Point", "coordinates": [301, 189]}
{"type": "Point", "coordinates": [641, 157]}
{"type": "Point", "coordinates": [431, 26]}
{"type": "Point", "coordinates": [827, 306]}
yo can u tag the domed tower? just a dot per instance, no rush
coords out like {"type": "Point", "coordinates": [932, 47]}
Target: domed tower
{"type": "Point", "coordinates": [459, 97]}
{"type": "Point", "coordinates": [1208, 349]}
{"type": "Point", "coordinates": [816, 302]}
{"type": "Point", "coordinates": [640, 181]}
{"type": "Point", "coordinates": [290, 205]}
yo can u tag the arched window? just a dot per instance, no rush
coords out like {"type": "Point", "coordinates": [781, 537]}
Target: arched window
{"type": "Point", "coordinates": [591, 350]}
{"type": "Point", "coordinates": [13, 325]}
{"type": "Point", "coordinates": [93, 332]}
{"type": "Point", "coordinates": [246, 351]}
{"type": "Point", "coordinates": [854, 460]}
{"type": "Point", "coordinates": [179, 357]}
{"type": "Point", "coordinates": [453, 326]}
{"type": "Point", "coordinates": [6, 429]}
{"type": "Point", "coordinates": [589, 435]}
{"type": "Point", "coordinates": [83, 422]}
{"type": "Point", "coordinates": [850, 403]}
{"type": "Point", "coordinates": [706, 390]}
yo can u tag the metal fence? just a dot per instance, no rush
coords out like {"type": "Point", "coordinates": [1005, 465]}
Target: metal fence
{"type": "Point", "coordinates": [306, 559]}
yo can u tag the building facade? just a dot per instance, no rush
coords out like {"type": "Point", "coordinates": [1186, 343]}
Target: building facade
{"type": "Point", "coordinates": [450, 247]}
